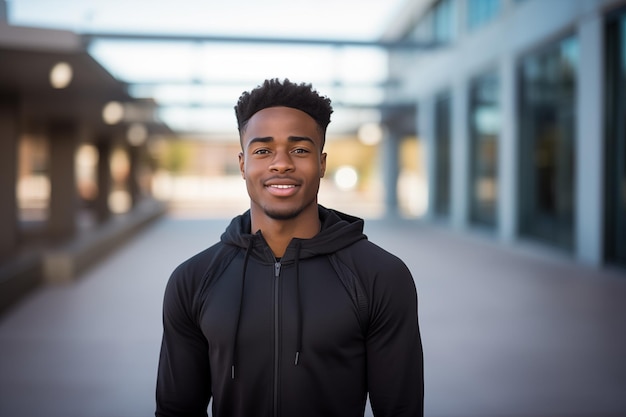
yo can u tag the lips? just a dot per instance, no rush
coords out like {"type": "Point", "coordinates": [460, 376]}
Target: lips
{"type": "Point", "coordinates": [281, 188]}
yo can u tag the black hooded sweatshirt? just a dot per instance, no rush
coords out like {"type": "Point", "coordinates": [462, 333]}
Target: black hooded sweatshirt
{"type": "Point", "coordinates": [310, 334]}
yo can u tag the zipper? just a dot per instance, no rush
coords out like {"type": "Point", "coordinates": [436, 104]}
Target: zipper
{"type": "Point", "coordinates": [277, 266]}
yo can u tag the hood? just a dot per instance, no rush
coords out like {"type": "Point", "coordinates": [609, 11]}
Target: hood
{"type": "Point", "coordinates": [338, 230]}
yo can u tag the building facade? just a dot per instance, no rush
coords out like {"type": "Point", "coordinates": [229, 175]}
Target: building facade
{"type": "Point", "coordinates": [521, 108]}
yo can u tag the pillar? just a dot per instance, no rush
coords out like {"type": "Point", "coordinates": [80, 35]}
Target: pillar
{"type": "Point", "coordinates": [459, 154]}
{"type": "Point", "coordinates": [4, 14]}
{"type": "Point", "coordinates": [133, 174]}
{"type": "Point", "coordinates": [8, 175]}
{"type": "Point", "coordinates": [63, 193]}
{"type": "Point", "coordinates": [104, 147]}
{"type": "Point", "coordinates": [590, 143]}
{"type": "Point", "coordinates": [426, 133]}
{"type": "Point", "coordinates": [508, 189]}
{"type": "Point", "coordinates": [390, 172]}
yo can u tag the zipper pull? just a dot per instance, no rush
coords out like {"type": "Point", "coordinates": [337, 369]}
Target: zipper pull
{"type": "Point", "coordinates": [277, 266]}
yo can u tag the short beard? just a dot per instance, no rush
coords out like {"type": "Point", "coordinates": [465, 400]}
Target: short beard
{"type": "Point", "coordinates": [280, 215]}
{"type": "Point", "coordinates": [287, 214]}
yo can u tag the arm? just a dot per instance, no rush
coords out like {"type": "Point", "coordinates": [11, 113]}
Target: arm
{"type": "Point", "coordinates": [394, 347]}
{"type": "Point", "coordinates": [184, 377]}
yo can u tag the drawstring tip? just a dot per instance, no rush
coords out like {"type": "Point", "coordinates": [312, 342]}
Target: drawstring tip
{"type": "Point", "coordinates": [232, 372]}
{"type": "Point", "coordinates": [297, 358]}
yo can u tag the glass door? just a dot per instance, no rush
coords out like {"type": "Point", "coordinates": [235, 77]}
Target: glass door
{"type": "Point", "coordinates": [547, 143]}
{"type": "Point", "coordinates": [484, 127]}
{"type": "Point", "coordinates": [615, 179]}
{"type": "Point", "coordinates": [443, 121]}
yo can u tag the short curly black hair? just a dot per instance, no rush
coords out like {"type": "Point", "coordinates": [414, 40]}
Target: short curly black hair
{"type": "Point", "coordinates": [274, 93]}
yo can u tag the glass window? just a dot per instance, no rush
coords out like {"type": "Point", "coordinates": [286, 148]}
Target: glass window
{"type": "Point", "coordinates": [443, 114]}
{"type": "Point", "coordinates": [437, 24]}
{"type": "Point", "coordinates": [547, 145]}
{"type": "Point", "coordinates": [616, 139]}
{"type": "Point", "coordinates": [444, 21]}
{"type": "Point", "coordinates": [33, 182]}
{"type": "Point", "coordinates": [484, 126]}
{"type": "Point", "coordinates": [480, 12]}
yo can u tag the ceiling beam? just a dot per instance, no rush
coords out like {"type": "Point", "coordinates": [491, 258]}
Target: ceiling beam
{"type": "Point", "coordinates": [90, 37]}
{"type": "Point", "coordinates": [237, 83]}
{"type": "Point", "coordinates": [384, 106]}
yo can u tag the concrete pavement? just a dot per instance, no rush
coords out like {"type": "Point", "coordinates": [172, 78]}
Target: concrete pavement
{"type": "Point", "coordinates": [508, 331]}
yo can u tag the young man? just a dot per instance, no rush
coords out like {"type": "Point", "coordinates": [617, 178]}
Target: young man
{"type": "Point", "coordinates": [294, 312]}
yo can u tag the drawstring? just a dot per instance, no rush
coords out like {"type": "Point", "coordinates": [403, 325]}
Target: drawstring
{"type": "Point", "coordinates": [243, 283]}
{"type": "Point", "coordinates": [299, 305]}
{"type": "Point", "coordinates": [298, 310]}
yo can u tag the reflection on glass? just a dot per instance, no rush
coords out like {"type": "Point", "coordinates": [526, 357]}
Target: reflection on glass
{"type": "Point", "coordinates": [437, 24]}
{"type": "Point", "coordinates": [481, 12]}
{"type": "Point", "coordinates": [484, 130]}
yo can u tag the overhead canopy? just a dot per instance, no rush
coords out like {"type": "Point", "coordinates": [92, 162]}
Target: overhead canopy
{"type": "Point", "coordinates": [28, 56]}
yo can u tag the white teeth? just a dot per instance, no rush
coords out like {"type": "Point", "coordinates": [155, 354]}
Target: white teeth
{"type": "Point", "coordinates": [282, 186]}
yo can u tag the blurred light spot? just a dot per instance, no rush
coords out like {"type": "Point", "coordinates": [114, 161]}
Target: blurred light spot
{"type": "Point", "coordinates": [119, 201]}
{"type": "Point", "coordinates": [113, 112]}
{"type": "Point", "coordinates": [119, 165]}
{"type": "Point", "coordinates": [487, 120]}
{"type": "Point", "coordinates": [86, 171]}
{"type": "Point", "coordinates": [137, 134]}
{"type": "Point", "coordinates": [61, 75]}
{"type": "Point", "coordinates": [346, 178]}
{"type": "Point", "coordinates": [370, 134]}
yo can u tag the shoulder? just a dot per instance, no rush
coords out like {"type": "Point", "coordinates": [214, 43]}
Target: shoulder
{"type": "Point", "coordinates": [365, 255]}
{"type": "Point", "coordinates": [192, 273]}
{"type": "Point", "coordinates": [388, 286]}
{"type": "Point", "coordinates": [379, 272]}
{"type": "Point", "coordinates": [200, 260]}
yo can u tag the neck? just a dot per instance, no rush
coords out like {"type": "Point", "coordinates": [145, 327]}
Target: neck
{"type": "Point", "coordinates": [278, 233]}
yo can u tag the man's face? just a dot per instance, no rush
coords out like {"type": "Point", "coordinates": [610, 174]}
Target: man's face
{"type": "Point", "coordinates": [282, 162]}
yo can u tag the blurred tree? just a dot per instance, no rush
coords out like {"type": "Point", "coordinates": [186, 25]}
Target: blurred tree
{"type": "Point", "coordinates": [176, 156]}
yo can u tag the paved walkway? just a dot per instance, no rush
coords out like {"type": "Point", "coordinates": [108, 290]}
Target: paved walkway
{"type": "Point", "coordinates": [507, 332]}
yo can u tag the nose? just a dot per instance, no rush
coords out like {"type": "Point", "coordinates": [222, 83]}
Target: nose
{"type": "Point", "coordinates": [282, 162]}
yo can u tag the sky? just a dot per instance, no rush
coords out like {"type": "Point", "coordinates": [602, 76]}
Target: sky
{"type": "Point", "coordinates": [167, 71]}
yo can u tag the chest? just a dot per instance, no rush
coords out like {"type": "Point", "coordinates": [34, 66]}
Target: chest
{"type": "Point", "coordinates": [269, 303]}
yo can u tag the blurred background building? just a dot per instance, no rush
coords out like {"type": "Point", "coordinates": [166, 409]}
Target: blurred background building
{"type": "Point", "coordinates": [522, 119]}
{"type": "Point", "coordinates": [498, 117]}
{"type": "Point", "coordinates": [484, 141]}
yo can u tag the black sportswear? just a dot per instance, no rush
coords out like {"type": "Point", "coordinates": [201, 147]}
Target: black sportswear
{"type": "Point", "coordinates": [309, 335]}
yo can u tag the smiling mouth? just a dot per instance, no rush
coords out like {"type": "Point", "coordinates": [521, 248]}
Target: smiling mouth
{"type": "Point", "coordinates": [282, 190]}
{"type": "Point", "coordinates": [282, 187]}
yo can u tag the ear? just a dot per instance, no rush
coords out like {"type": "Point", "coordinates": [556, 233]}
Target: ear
{"type": "Point", "coordinates": [322, 164]}
{"type": "Point", "coordinates": [241, 165]}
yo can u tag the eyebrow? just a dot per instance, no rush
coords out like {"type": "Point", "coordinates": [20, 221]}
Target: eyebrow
{"type": "Point", "coordinates": [291, 139]}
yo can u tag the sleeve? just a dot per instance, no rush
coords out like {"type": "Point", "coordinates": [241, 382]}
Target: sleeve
{"type": "Point", "coordinates": [184, 377]}
{"type": "Point", "coordinates": [394, 348]}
